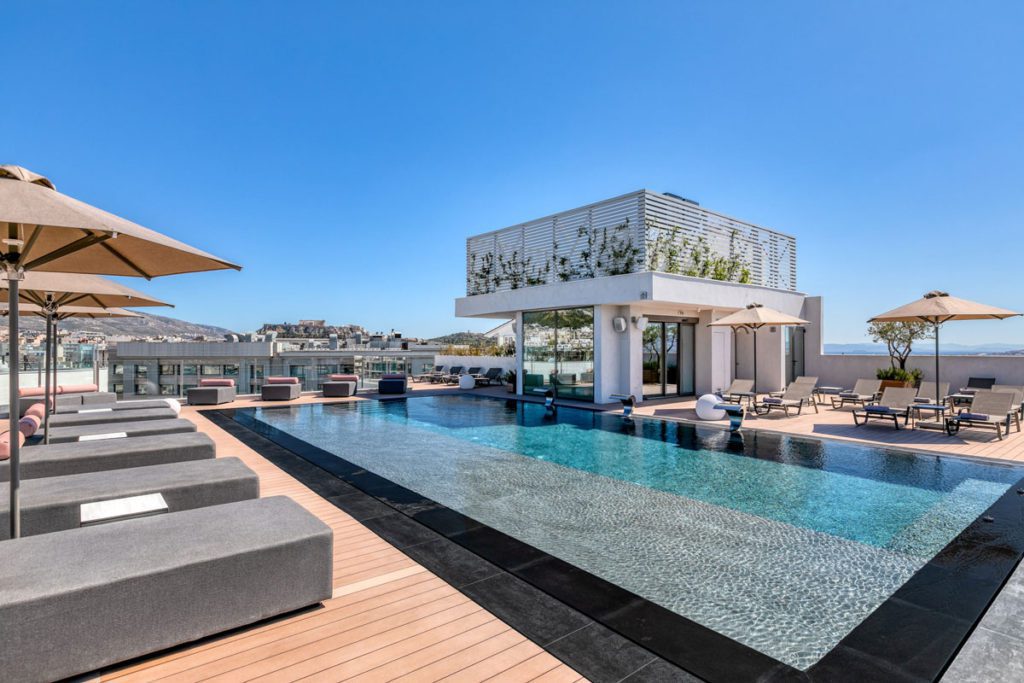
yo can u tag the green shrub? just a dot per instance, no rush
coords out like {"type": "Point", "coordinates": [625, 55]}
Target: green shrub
{"type": "Point", "coordinates": [899, 375]}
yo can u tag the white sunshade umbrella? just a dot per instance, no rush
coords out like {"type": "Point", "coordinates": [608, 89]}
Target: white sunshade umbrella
{"type": "Point", "coordinates": [936, 308]}
{"type": "Point", "coordinates": [42, 229]}
{"type": "Point", "coordinates": [754, 317]}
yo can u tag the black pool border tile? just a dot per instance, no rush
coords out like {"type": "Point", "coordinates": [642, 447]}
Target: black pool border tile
{"type": "Point", "coordinates": [944, 601]}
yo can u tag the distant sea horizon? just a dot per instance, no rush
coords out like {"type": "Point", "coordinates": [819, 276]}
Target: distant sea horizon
{"type": "Point", "coordinates": [924, 348]}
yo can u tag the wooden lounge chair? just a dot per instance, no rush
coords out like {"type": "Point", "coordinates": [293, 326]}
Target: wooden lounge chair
{"type": "Point", "coordinates": [739, 390]}
{"type": "Point", "coordinates": [812, 381]}
{"type": "Point", "coordinates": [1016, 389]}
{"type": "Point", "coordinates": [989, 410]}
{"type": "Point", "coordinates": [894, 404]}
{"type": "Point", "coordinates": [926, 393]}
{"type": "Point", "coordinates": [453, 375]}
{"type": "Point", "coordinates": [977, 383]}
{"type": "Point", "coordinates": [796, 396]}
{"type": "Point", "coordinates": [492, 375]}
{"type": "Point", "coordinates": [864, 391]}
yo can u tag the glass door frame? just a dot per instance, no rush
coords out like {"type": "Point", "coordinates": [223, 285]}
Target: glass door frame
{"type": "Point", "coordinates": [680, 350]}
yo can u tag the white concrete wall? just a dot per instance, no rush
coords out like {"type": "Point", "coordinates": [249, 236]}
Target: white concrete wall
{"type": "Point", "coordinates": [845, 370]}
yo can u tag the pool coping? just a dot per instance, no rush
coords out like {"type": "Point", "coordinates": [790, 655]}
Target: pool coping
{"type": "Point", "coordinates": [931, 615]}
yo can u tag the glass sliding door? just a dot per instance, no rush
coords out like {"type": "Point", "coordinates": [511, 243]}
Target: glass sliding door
{"type": "Point", "coordinates": [668, 360]}
{"type": "Point", "coordinates": [558, 351]}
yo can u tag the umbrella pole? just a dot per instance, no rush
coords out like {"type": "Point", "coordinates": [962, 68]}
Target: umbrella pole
{"type": "Point", "coordinates": [47, 385]}
{"type": "Point", "coordinates": [755, 362]}
{"type": "Point", "coordinates": [938, 399]}
{"type": "Point", "coordinates": [13, 402]}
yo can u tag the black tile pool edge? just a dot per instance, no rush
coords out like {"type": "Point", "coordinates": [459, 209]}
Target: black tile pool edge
{"type": "Point", "coordinates": [912, 636]}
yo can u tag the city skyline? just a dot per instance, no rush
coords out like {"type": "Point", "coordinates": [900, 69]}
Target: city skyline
{"type": "Point", "coordinates": [884, 152]}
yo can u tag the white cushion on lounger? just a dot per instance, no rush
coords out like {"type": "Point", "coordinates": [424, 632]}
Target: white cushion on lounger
{"type": "Point", "coordinates": [100, 437]}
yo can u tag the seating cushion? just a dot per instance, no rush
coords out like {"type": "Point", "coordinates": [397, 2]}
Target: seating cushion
{"type": "Point", "coordinates": [104, 416]}
{"type": "Point", "coordinates": [25, 392]}
{"type": "Point", "coordinates": [393, 375]}
{"type": "Point", "coordinates": [38, 410]}
{"type": "Point", "coordinates": [878, 409]}
{"type": "Point", "coordinates": [976, 417]}
{"type": "Point", "coordinates": [5, 444]}
{"type": "Point", "coordinates": [772, 401]}
{"type": "Point", "coordinates": [132, 429]}
{"type": "Point", "coordinates": [77, 388]}
{"type": "Point", "coordinates": [29, 425]}
{"type": "Point", "coordinates": [281, 380]}
{"type": "Point", "coordinates": [343, 378]}
{"type": "Point", "coordinates": [224, 382]}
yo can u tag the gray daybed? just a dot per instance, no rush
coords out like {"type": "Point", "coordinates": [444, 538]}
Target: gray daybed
{"type": "Point", "coordinates": [59, 459]}
{"type": "Point", "coordinates": [54, 503]}
{"type": "Point", "coordinates": [280, 389]}
{"type": "Point", "coordinates": [75, 601]}
{"type": "Point", "coordinates": [104, 416]}
{"type": "Point", "coordinates": [338, 386]}
{"type": "Point", "coordinates": [116, 405]}
{"type": "Point", "coordinates": [72, 400]}
{"type": "Point", "coordinates": [136, 428]}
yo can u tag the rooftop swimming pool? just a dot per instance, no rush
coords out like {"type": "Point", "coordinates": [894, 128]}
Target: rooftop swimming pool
{"type": "Point", "coordinates": [782, 544]}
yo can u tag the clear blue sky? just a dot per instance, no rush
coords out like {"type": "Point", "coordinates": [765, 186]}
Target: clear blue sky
{"type": "Point", "coordinates": [342, 152]}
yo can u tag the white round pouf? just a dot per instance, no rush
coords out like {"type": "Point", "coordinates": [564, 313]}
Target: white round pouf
{"type": "Point", "coordinates": [467, 382]}
{"type": "Point", "coordinates": [707, 408]}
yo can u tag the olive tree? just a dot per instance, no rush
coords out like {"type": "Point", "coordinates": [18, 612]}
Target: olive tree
{"type": "Point", "coordinates": [899, 338]}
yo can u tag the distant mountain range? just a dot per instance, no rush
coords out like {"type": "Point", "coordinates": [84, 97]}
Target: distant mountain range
{"type": "Point", "coordinates": [148, 325]}
{"type": "Point", "coordinates": [471, 339]}
{"type": "Point", "coordinates": [870, 349]}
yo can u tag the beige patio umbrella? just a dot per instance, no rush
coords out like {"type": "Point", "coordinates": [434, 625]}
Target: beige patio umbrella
{"type": "Point", "coordinates": [936, 308]}
{"type": "Point", "coordinates": [754, 317]}
{"type": "Point", "coordinates": [50, 353]}
{"type": "Point", "coordinates": [44, 230]}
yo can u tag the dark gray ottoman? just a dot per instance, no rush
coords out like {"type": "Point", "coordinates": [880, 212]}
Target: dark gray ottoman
{"type": "Point", "coordinates": [59, 459]}
{"type": "Point", "coordinates": [339, 389]}
{"type": "Point", "coordinates": [104, 416]}
{"type": "Point", "coordinates": [280, 392]}
{"type": "Point", "coordinates": [75, 601]}
{"type": "Point", "coordinates": [132, 429]}
{"type": "Point", "coordinates": [391, 386]}
{"type": "Point", "coordinates": [54, 503]}
{"type": "Point", "coordinates": [210, 396]}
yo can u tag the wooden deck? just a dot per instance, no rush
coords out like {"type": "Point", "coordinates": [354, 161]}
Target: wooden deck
{"type": "Point", "coordinates": [389, 618]}
{"type": "Point", "coordinates": [838, 424]}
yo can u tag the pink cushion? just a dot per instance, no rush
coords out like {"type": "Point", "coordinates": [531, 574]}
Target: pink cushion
{"type": "Point", "coordinates": [28, 392]}
{"type": "Point", "coordinates": [216, 382]}
{"type": "Point", "coordinates": [393, 375]}
{"type": "Point", "coordinates": [77, 389]}
{"type": "Point", "coordinates": [342, 378]}
{"type": "Point", "coordinates": [281, 380]}
{"type": "Point", "coordinates": [29, 425]}
{"type": "Point", "coordinates": [37, 410]}
{"type": "Point", "coordinates": [5, 444]}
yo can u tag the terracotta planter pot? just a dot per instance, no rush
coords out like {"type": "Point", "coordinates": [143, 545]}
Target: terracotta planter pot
{"type": "Point", "coordinates": [895, 384]}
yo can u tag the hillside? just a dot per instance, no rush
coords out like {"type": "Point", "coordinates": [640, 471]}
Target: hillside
{"type": "Point", "coordinates": [471, 339]}
{"type": "Point", "coordinates": [319, 331]}
{"type": "Point", "coordinates": [148, 325]}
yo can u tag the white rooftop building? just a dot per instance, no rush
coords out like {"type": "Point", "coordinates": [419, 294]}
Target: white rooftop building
{"type": "Point", "coordinates": [615, 298]}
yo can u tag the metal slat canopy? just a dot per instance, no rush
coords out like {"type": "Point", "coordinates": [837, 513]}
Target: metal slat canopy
{"type": "Point", "coordinates": [42, 229]}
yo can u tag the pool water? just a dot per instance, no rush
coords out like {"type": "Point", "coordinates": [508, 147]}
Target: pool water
{"type": "Point", "coordinates": [782, 544]}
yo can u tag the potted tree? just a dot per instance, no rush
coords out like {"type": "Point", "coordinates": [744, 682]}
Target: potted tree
{"type": "Point", "coordinates": [510, 381]}
{"type": "Point", "coordinates": [899, 338]}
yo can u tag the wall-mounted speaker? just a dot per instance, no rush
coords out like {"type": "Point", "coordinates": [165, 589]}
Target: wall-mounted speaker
{"type": "Point", "coordinates": [619, 324]}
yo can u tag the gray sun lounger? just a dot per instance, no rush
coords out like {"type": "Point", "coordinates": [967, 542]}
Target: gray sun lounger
{"type": "Point", "coordinates": [55, 503]}
{"type": "Point", "coordinates": [60, 459]}
{"type": "Point", "coordinates": [105, 416]}
{"type": "Point", "coordinates": [70, 400]}
{"type": "Point", "coordinates": [114, 405]}
{"type": "Point", "coordinates": [132, 429]}
{"type": "Point", "coordinates": [75, 601]}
